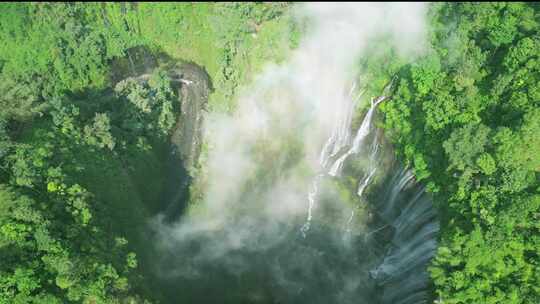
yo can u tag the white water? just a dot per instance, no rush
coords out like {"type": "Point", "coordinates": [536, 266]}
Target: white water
{"type": "Point", "coordinates": [366, 179]}
{"type": "Point", "coordinates": [400, 180]}
{"type": "Point", "coordinates": [361, 134]}
{"type": "Point", "coordinates": [339, 139]}
{"type": "Point", "coordinates": [364, 182]}
{"type": "Point", "coordinates": [252, 188]}
{"type": "Point", "coordinates": [402, 272]}
{"type": "Point", "coordinates": [341, 134]}
{"type": "Point", "coordinates": [312, 195]}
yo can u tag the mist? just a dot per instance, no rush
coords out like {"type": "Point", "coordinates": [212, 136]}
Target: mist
{"type": "Point", "coordinates": [244, 238]}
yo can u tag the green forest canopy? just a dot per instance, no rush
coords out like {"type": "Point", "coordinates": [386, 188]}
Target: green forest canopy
{"type": "Point", "coordinates": [466, 117]}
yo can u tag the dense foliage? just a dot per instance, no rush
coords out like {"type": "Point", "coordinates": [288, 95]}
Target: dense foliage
{"type": "Point", "coordinates": [81, 155]}
{"type": "Point", "coordinates": [467, 117]}
{"type": "Point", "coordinates": [56, 240]}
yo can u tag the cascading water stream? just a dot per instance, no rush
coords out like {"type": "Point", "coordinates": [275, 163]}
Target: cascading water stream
{"type": "Point", "coordinates": [363, 131]}
{"type": "Point", "coordinates": [361, 134]}
{"type": "Point", "coordinates": [402, 272]}
{"type": "Point", "coordinates": [312, 195]}
{"type": "Point", "coordinates": [240, 237]}
{"type": "Point", "coordinates": [338, 140]}
{"type": "Point", "coordinates": [341, 132]}
{"type": "Point", "coordinates": [364, 182]}
{"type": "Point", "coordinates": [397, 274]}
{"type": "Point", "coordinates": [366, 179]}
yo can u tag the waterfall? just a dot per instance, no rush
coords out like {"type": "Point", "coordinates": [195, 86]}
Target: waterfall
{"type": "Point", "coordinates": [399, 181]}
{"type": "Point", "coordinates": [364, 182]}
{"type": "Point", "coordinates": [402, 274]}
{"type": "Point", "coordinates": [338, 140]}
{"type": "Point", "coordinates": [366, 179]}
{"type": "Point", "coordinates": [240, 237]}
{"type": "Point", "coordinates": [341, 134]}
{"type": "Point", "coordinates": [406, 209]}
{"type": "Point", "coordinates": [347, 229]}
{"type": "Point", "coordinates": [312, 195]}
{"type": "Point", "coordinates": [361, 134]}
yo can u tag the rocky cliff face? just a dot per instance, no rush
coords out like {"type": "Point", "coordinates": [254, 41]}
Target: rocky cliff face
{"type": "Point", "coordinates": [193, 86]}
{"type": "Point", "coordinates": [193, 89]}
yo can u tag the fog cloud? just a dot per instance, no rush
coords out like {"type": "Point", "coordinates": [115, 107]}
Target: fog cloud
{"type": "Point", "coordinates": [263, 157]}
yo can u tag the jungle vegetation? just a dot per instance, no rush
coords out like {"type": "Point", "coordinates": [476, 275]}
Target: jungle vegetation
{"type": "Point", "coordinates": [467, 118]}
{"type": "Point", "coordinates": [81, 152]}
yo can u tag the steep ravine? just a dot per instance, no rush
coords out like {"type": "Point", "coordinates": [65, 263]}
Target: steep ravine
{"type": "Point", "coordinates": [407, 236]}
{"type": "Point", "coordinates": [392, 255]}
{"type": "Point", "coordinates": [193, 86]}
{"type": "Point", "coordinates": [175, 157]}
